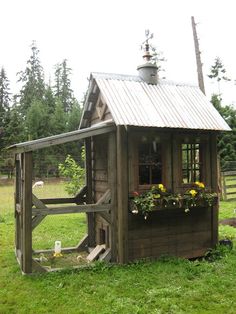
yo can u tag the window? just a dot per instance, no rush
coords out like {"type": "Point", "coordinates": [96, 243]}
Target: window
{"type": "Point", "coordinates": [150, 165]}
{"type": "Point", "coordinates": [191, 166]}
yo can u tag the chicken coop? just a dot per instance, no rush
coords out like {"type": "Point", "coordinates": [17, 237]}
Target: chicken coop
{"type": "Point", "coordinates": [139, 132]}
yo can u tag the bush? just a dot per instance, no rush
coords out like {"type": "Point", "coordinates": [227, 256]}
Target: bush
{"type": "Point", "coordinates": [74, 172]}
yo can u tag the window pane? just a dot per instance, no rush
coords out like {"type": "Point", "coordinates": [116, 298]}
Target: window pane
{"type": "Point", "coordinates": [150, 167]}
{"type": "Point", "coordinates": [190, 163]}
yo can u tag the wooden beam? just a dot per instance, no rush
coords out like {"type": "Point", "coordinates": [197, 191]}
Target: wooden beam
{"type": "Point", "coordinates": [88, 208]}
{"type": "Point", "coordinates": [122, 194]}
{"type": "Point", "coordinates": [27, 214]}
{"type": "Point", "coordinates": [63, 138]}
{"type": "Point", "coordinates": [17, 201]}
{"type": "Point", "coordinates": [112, 181]}
{"type": "Point", "coordinates": [105, 198]}
{"type": "Point", "coordinates": [83, 244]}
{"type": "Point", "coordinates": [37, 267]}
{"type": "Point", "coordinates": [62, 200]}
{"type": "Point", "coordinates": [37, 219]}
{"type": "Point", "coordinates": [81, 196]}
{"type": "Point", "coordinates": [89, 195]}
{"type": "Point", "coordinates": [214, 186]}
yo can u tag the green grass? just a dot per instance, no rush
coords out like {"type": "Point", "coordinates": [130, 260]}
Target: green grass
{"type": "Point", "coordinates": [169, 285]}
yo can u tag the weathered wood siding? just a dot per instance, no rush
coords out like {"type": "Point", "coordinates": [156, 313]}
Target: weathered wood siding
{"type": "Point", "coordinates": [170, 232]}
{"type": "Point", "coordinates": [100, 112]}
{"type": "Point", "coordinates": [100, 186]}
{"type": "Point", "coordinates": [100, 166]}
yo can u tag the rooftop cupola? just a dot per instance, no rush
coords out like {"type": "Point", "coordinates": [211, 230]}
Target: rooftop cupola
{"type": "Point", "coordinates": [149, 70]}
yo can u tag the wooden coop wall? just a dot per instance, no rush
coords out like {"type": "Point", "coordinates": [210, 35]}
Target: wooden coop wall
{"type": "Point", "coordinates": [172, 231]}
{"type": "Point", "coordinates": [100, 186]}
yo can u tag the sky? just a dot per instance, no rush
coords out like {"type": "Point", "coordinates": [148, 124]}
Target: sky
{"type": "Point", "coordinates": [105, 36]}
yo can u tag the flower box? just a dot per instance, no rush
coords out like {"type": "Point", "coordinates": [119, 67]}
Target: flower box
{"type": "Point", "coordinates": [158, 199]}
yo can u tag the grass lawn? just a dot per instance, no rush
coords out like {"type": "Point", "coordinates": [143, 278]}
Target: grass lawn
{"type": "Point", "coordinates": [169, 285]}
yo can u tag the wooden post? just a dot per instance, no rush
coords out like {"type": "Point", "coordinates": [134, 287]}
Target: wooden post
{"type": "Point", "coordinates": [18, 198]}
{"type": "Point", "coordinates": [214, 185]}
{"type": "Point", "coordinates": [89, 196]}
{"type": "Point", "coordinates": [198, 58]}
{"type": "Point", "coordinates": [122, 194]}
{"type": "Point", "coordinates": [112, 180]}
{"type": "Point", "coordinates": [27, 214]}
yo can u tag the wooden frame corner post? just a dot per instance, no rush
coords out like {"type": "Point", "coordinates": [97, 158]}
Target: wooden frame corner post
{"type": "Point", "coordinates": [122, 194]}
{"type": "Point", "coordinates": [26, 265]}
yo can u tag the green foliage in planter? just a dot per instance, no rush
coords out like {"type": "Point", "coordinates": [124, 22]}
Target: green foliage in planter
{"type": "Point", "coordinates": [158, 197]}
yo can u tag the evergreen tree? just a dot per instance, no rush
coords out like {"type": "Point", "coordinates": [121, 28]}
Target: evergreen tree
{"type": "Point", "coordinates": [14, 131]}
{"type": "Point", "coordinates": [4, 95]}
{"type": "Point", "coordinates": [49, 99]}
{"type": "Point", "coordinates": [59, 119]}
{"type": "Point", "coordinates": [62, 88]}
{"type": "Point", "coordinates": [32, 79]}
{"type": "Point", "coordinates": [74, 116]}
{"type": "Point", "coordinates": [218, 73]}
{"type": "Point", "coordinates": [4, 105]}
{"type": "Point", "coordinates": [226, 141]}
{"type": "Point", "coordinates": [37, 120]}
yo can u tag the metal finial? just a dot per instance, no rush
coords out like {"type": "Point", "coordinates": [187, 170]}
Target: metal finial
{"type": "Point", "coordinates": [146, 46]}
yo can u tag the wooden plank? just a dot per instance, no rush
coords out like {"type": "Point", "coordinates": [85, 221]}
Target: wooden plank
{"type": "Point", "coordinates": [62, 138]}
{"type": "Point", "coordinates": [105, 198]}
{"type": "Point", "coordinates": [214, 185]}
{"type": "Point", "coordinates": [106, 256]}
{"type": "Point", "coordinates": [81, 197]}
{"type": "Point", "coordinates": [230, 193]}
{"type": "Point", "coordinates": [17, 202]}
{"type": "Point", "coordinates": [89, 194]}
{"type": "Point", "coordinates": [122, 194]}
{"type": "Point", "coordinates": [88, 208]}
{"type": "Point", "coordinates": [106, 216]}
{"type": "Point", "coordinates": [63, 250]}
{"type": "Point", "coordinates": [27, 214]}
{"type": "Point", "coordinates": [83, 244]}
{"type": "Point", "coordinates": [112, 181]}
{"type": "Point", "coordinates": [100, 186]}
{"type": "Point", "coordinates": [62, 200]}
{"type": "Point", "coordinates": [228, 173]}
{"type": "Point", "coordinates": [37, 267]}
{"type": "Point", "coordinates": [96, 252]}
{"type": "Point", "coordinates": [37, 219]}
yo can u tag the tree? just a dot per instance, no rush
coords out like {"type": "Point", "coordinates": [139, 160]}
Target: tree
{"type": "Point", "coordinates": [218, 72]}
{"type": "Point", "coordinates": [59, 119]}
{"type": "Point", "coordinates": [62, 88]}
{"type": "Point", "coordinates": [71, 170]}
{"type": "Point", "coordinates": [4, 95]}
{"type": "Point", "coordinates": [14, 131]}
{"type": "Point", "coordinates": [74, 116]}
{"type": "Point", "coordinates": [49, 99]}
{"type": "Point", "coordinates": [226, 141]}
{"type": "Point", "coordinates": [37, 121]}
{"type": "Point", "coordinates": [32, 78]}
{"type": "Point", "coordinates": [4, 104]}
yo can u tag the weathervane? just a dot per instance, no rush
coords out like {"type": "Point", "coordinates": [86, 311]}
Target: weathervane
{"type": "Point", "coordinates": [146, 46]}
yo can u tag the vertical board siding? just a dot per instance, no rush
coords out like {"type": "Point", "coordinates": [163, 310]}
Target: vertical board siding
{"type": "Point", "coordinates": [100, 165]}
{"type": "Point", "coordinates": [170, 232]}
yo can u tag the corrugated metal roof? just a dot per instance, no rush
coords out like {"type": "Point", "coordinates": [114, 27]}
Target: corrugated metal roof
{"type": "Point", "coordinates": [133, 102]}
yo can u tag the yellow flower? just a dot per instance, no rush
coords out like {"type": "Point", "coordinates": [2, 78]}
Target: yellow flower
{"type": "Point", "coordinates": [161, 187]}
{"type": "Point", "coordinates": [192, 192]}
{"type": "Point", "coordinates": [156, 196]}
{"type": "Point", "coordinates": [200, 184]}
